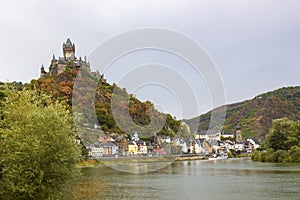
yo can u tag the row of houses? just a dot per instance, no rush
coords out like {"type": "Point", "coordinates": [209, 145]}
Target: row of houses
{"type": "Point", "coordinates": [225, 141]}
{"type": "Point", "coordinates": [191, 146]}
{"type": "Point", "coordinates": [202, 143]}
{"type": "Point", "coordinates": [219, 141]}
{"type": "Point", "coordinates": [98, 150]}
{"type": "Point", "coordinates": [107, 146]}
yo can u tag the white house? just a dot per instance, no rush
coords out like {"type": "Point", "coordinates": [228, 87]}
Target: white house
{"type": "Point", "coordinates": [197, 148]}
{"type": "Point", "coordinates": [165, 139]}
{"type": "Point", "coordinates": [229, 145]}
{"type": "Point", "coordinates": [227, 135]}
{"type": "Point", "coordinates": [184, 147]}
{"type": "Point", "coordinates": [202, 135]}
{"type": "Point", "coordinates": [214, 136]}
{"type": "Point", "coordinates": [95, 150]}
{"type": "Point", "coordinates": [252, 143]}
{"type": "Point", "coordinates": [239, 146]}
{"type": "Point", "coordinates": [142, 148]}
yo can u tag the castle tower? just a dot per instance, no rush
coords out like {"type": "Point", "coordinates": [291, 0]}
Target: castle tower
{"type": "Point", "coordinates": [68, 61]}
{"type": "Point", "coordinates": [238, 133]}
{"type": "Point", "coordinates": [43, 72]}
{"type": "Point", "coordinates": [53, 61]}
{"type": "Point", "coordinates": [69, 50]}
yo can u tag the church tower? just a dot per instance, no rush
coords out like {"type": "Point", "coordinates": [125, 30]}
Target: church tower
{"type": "Point", "coordinates": [238, 133]}
{"type": "Point", "coordinates": [69, 50]}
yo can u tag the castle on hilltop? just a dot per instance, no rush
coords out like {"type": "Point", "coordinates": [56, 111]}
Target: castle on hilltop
{"type": "Point", "coordinates": [68, 61]}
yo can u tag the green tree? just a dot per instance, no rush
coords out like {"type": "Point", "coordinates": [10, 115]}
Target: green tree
{"type": "Point", "coordinates": [294, 154]}
{"type": "Point", "coordinates": [38, 151]}
{"type": "Point", "coordinates": [282, 143]}
{"type": "Point", "coordinates": [293, 139]}
{"type": "Point", "coordinates": [279, 134]}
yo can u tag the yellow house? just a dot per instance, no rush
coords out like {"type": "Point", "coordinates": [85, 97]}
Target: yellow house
{"type": "Point", "coordinates": [132, 148]}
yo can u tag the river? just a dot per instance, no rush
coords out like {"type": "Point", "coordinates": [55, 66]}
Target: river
{"type": "Point", "coordinates": [232, 179]}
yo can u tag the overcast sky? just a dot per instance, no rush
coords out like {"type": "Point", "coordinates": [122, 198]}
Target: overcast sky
{"type": "Point", "coordinates": [255, 44]}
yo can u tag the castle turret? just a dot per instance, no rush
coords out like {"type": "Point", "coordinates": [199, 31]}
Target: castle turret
{"type": "Point", "coordinates": [53, 61]}
{"type": "Point", "coordinates": [69, 50]}
{"type": "Point", "coordinates": [43, 72]}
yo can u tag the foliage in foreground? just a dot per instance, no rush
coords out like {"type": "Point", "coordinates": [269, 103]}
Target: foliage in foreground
{"type": "Point", "coordinates": [38, 151]}
{"type": "Point", "coordinates": [282, 143]}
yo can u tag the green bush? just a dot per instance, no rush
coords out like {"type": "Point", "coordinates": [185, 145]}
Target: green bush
{"type": "Point", "coordinates": [232, 153]}
{"type": "Point", "coordinates": [282, 143]}
{"type": "Point", "coordinates": [38, 151]}
{"type": "Point", "coordinates": [294, 154]}
{"type": "Point", "coordinates": [256, 156]}
{"type": "Point", "coordinates": [279, 156]}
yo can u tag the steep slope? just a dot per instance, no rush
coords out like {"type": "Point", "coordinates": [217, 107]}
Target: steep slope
{"type": "Point", "coordinates": [256, 115]}
{"type": "Point", "coordinates": [61, 87]}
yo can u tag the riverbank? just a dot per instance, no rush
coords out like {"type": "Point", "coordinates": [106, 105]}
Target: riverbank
{"type": "Point", "coordinates": [118, 160]}
{"type": "Point", "coordinates": [115, 160]}
{"type": "Point", "coordinates": [191, 157]}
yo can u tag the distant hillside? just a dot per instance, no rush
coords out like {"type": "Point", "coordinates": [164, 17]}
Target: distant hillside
{"type": "Point", "coordinates": [256, 115]}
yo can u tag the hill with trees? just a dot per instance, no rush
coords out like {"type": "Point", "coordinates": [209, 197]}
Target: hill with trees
{"type": "Point", "coordinates": [256, 115]}
{"type": "Point", "coordinates": [61, 86]}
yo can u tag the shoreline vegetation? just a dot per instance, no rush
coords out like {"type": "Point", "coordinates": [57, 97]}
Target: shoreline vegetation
{"type": "Point", "coordinates": [282, 143]}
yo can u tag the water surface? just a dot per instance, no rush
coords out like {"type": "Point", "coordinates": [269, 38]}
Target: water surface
{"type": "Point", "coordinates": [232, 179]}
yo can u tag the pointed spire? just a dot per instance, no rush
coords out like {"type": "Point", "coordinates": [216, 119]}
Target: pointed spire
{"type": "Point", "coordinates": [68, 42]}
{"type": "Point", "coordinates": [53, 57]}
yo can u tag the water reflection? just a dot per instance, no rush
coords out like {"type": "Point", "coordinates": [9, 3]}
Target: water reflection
{"type": "Point", "coordinates": [231, 179]}
{"type": "Point", "coordinates": [138, 167]}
